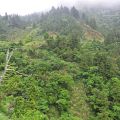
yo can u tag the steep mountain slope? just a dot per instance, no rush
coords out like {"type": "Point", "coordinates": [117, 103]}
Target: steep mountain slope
{"type": "Point", "coordinates": [61, 68]}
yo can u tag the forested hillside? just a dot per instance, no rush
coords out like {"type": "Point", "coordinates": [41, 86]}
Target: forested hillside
{"type": "Point", "coordinates": [63, 64]}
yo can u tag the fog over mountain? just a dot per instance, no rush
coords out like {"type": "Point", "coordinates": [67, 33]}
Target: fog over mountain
{"type": "Point", "coordinates": [23, 7]}
{"type": "Point", "coordinates": [59, 59]}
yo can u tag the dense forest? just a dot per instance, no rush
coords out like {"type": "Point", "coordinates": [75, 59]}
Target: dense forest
{"type": "Point", "coordinates": [63, 64]}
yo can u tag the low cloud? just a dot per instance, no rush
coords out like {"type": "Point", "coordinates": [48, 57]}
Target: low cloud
{"type": "Point", "coordinates": [29, 6]}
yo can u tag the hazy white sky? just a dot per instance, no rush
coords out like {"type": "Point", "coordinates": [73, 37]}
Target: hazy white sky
{"type": "Point", "coordinates": [29, 6]}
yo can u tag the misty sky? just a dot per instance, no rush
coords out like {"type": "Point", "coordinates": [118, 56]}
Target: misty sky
{"type": "Point", "coordinates": [23, 7]}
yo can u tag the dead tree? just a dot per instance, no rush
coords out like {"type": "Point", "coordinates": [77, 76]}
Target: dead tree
{"type": "Point", "coordinates": [8, 57]}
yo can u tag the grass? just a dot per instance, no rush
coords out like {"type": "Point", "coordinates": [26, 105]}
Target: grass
{"type": "Point", "coordinates": [79, 106]}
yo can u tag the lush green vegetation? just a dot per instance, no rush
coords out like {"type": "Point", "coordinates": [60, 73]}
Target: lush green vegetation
{"type": "Point", "coordinates": [62, 67]}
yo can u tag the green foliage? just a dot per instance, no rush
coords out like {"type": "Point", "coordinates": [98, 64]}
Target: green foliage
{"type": "Point", "coordinates": [67, 116]}
{"type": "Point", "coordinates": [55, 73]}
{"type": "Point", "coordinates": [115, 96]}
{"type": "Point", "coordinates": [31, 115]}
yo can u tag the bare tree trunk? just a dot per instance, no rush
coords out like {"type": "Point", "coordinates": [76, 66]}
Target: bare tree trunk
{"type": "Point", "coordinates": [8, 57]}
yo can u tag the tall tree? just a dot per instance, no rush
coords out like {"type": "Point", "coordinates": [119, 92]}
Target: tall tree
{"type": "Point", "coordinates": [75, 12]}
